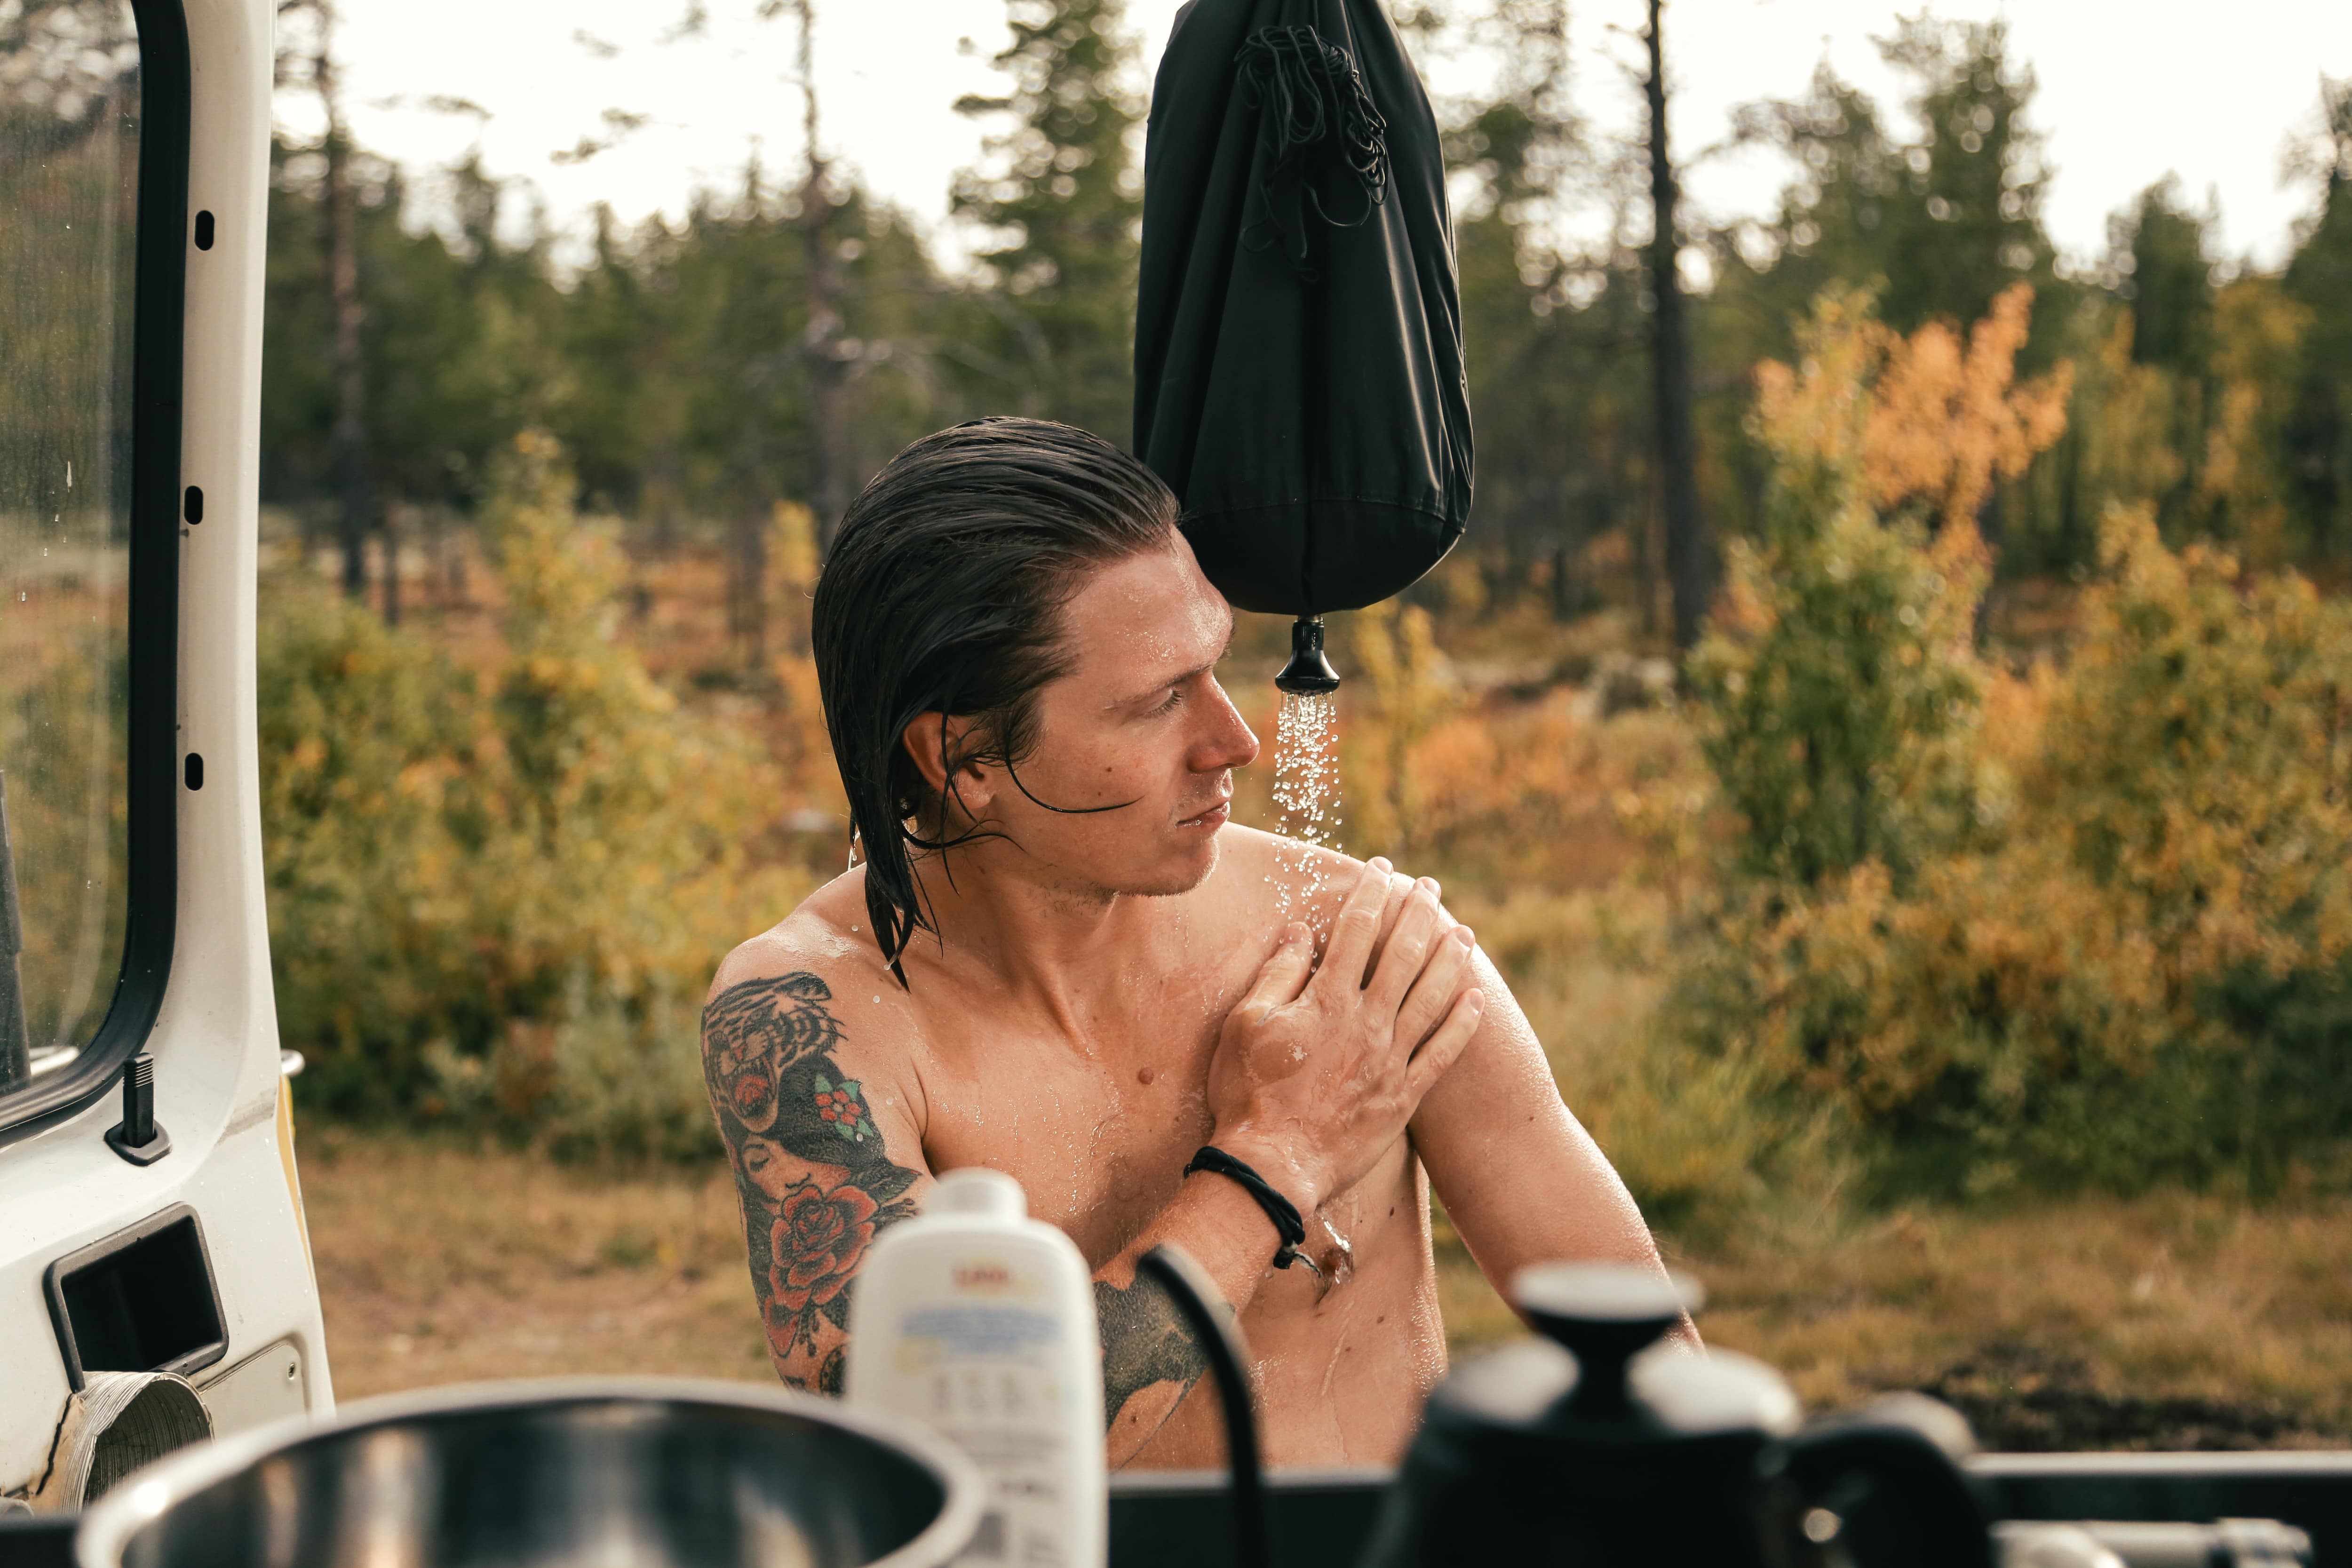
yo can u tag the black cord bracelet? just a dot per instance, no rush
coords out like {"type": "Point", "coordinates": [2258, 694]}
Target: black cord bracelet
{"type": "Point", "coordinates": [1279, 1209]}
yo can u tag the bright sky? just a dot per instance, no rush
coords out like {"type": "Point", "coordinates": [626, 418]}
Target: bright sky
{"type": "Point", "coordinates": [2127, 93]}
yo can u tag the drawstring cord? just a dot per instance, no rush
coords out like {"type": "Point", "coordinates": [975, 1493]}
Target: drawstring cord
{"type": "Point", "coordinates": [1310, 95]}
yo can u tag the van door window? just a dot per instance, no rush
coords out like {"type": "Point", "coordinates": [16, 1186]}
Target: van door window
{"type": "Point", "coordinates": [69, 115]}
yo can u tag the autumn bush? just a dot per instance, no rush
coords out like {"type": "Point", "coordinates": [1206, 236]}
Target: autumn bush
{"type": "Point", "coordinates": [497, 891]}
{"type": "Point", "coordinates": [2086, 925]}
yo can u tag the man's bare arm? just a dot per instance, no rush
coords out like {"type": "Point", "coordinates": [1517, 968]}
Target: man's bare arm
{"type": "Point", "coordinates": [816, 1177]}
{"type": "Point", "coordinates": [1521, 1179]}
{"type": "Point", "coordinates": [1151, 1358]}
{"type": "Point", "coordinates": [1318, 1069]}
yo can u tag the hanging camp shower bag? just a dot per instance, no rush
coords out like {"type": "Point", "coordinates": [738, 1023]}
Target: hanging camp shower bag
{"type": "Point", "coordinates": [1298, 336]}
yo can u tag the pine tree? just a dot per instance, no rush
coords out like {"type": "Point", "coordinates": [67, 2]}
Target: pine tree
{"type": "Point", "coordinates": [2170, 285]}
{"type": "Point", "coordinates": [1064, 189]}
{"type": "Point", "coordinates": [2161, 264]}
{"type": "Point", "coordinates": [2319, 431]}
{"type": "Point", "coordinates": [1939, 224]}
{"type": "Point", "coordinates": [1981, 189]}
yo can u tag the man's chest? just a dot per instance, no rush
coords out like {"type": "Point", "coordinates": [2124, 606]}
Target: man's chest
{"type": "Point", "coordinates": [1096, 1132]}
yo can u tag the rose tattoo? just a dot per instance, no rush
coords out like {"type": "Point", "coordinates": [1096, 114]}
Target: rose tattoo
{"type": "Point", "coordinates": [824, 1234]}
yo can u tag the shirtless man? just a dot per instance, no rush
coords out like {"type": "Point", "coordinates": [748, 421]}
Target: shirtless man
{"type": "Point", "coordinates": [1060, 961]}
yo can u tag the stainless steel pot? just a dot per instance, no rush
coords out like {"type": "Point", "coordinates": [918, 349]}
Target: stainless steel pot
{"type": "Point", "coordinates": [586, 1473]}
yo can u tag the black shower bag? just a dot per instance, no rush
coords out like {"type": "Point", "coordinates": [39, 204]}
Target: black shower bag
{"type": "Point", "coordinates": [1298, 337]}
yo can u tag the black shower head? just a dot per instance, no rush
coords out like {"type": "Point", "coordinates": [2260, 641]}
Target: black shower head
{"type": "Point", "coordinates": [1308, 673]}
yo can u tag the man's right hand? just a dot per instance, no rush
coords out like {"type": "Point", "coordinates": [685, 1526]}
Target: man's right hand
{"type": "Point", "coordinates": [1320, 1066]}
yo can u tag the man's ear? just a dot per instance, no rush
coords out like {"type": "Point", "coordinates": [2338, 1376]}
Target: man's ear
{"type": "Point", "coordinates": [931, 740]}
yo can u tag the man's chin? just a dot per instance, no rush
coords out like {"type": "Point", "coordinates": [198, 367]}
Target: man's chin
{"type": "Point", "coordinates": [1183, 872]}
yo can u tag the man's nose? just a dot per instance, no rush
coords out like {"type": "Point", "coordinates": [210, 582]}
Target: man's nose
{"type": "Point", "coordinates": [1228, 742]}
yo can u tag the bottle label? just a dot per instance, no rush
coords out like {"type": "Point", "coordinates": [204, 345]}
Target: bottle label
{"type": "Point", "coordinates": [988, 1370]}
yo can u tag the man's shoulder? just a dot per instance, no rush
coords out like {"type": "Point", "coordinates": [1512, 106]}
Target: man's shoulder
{"type": "Point", "coordinates": [1272, 880]}
{"type": "Point", "coordinates": [1269, 879]}
{"type": "Point", "coordinates": [816, 968]}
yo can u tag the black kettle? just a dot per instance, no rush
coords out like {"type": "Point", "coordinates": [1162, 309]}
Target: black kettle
{"type": "Point", "coordinates": [1597, 1446]}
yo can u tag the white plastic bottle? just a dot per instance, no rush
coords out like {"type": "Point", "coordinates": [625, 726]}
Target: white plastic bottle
{"type": "Point", "coordinates": [980, 1321]}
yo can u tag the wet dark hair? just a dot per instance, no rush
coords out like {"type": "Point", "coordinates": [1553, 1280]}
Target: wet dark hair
{"type": "Point", "coordinates": [943, 592]}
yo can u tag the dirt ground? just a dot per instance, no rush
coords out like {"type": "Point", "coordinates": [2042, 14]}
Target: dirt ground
{"type": "Point", "coordinates": [440, 1263]}
{"type": "Point", "coordinates": [2170, 1321]}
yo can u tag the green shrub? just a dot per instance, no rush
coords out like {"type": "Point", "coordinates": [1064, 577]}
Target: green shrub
{"type": "Point", "coordinates": [600, 1079]}
{"type": "Point", "coordinates": [2145, 976]}
{"type": "Point", "coordinates": [1840, 692]}
{"type": "Point", "coordinates": [541, 861]}
{"type": "Point", "coordinates": [2091, 926]}
{"type": "Point", "coordinates": [368, 739]}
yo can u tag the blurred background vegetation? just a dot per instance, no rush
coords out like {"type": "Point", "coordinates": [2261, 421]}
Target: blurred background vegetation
{"type": "Point", "coordinates": [1917, 823]}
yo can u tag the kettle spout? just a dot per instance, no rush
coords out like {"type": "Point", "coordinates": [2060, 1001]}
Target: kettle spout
{"type": "Point", "coordinates": [1308, 673]}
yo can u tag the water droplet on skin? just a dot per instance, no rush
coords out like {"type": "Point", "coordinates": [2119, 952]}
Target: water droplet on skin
{"type": "Point", "coordinates": [1340, 1263]}
{"type": "Point", "coordinates": [877, 998]}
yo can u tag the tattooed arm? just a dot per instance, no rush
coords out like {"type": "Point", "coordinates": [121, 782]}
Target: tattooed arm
{"type": "Point", "coordinates": [815, 1174]}
{"type": "Point", "coordinates": [1151, 1358]}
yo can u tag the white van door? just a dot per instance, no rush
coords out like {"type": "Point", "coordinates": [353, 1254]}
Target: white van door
{"type": "Point", "coordinates": [151, 1221]}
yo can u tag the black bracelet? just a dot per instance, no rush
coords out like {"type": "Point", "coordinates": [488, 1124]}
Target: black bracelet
{"type": "Point", "coordinates": [1279, 1209]}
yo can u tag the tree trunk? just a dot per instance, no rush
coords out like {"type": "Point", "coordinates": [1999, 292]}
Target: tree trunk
{"type": "Point", "coordinates": [1563, 589]}
{"type": "Point", "coordinates": [2069, 494]}
{"type": "Point", "coordinates": [353, 483]}
{"type": "Point", "coordinates": [455, 587]}
{"type": "Point", "coordinates": [747, 586]}
{"type": "Point", "coordinates": [821, 345]}
{"type": "Point", "coordinates": [1687, 567]}
{"type": "Point", "coordinates": [828, 378]}
{"type": "Point", "coordinates": [1642, 533]}
{"type": "Point", "coordinates": [1992, 525]}
{"type": "Point", "coordinates": [388, 535]}
{"type": "Point", "coordinates": [437, 555]}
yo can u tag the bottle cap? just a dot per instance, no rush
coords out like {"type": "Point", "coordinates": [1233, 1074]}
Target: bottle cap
{"type": "Point", "coordinates": [979, 1190]}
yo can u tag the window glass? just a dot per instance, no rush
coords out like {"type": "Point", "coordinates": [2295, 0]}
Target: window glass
{"type": "Point", "coordinates": [69, 180]}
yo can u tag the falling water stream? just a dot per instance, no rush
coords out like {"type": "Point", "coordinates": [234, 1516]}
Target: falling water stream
{"type": "Point", "coordinates": [1306, 795]}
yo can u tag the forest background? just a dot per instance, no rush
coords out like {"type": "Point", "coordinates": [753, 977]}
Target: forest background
{"type": "Point", "coordinates": [1888, 718]}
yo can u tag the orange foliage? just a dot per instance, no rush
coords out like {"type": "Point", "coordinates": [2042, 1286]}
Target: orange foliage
{"type": "Point", "coordinates": [1946, 420]}
{"type": "Point", "coordinates": [1550, 795]}
{"type": "Point", "coordinates": [1928, 418]}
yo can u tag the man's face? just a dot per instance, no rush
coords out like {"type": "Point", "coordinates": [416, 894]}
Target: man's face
{"type": "Point", "coordinates": [1140, 719]}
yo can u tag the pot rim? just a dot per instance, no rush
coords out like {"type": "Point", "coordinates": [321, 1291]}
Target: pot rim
{"type": "Point", "coordinates": [106, 1530]}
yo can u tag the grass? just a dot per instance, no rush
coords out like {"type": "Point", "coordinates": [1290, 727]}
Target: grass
{"type": "Point", "coordinates": [441, 1261]}
{"type": "Point", "coordinates": [2169, 1320]}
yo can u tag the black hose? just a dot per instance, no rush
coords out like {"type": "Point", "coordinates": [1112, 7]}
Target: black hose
{"type": "Point", "coordinates": [1204, 1307]}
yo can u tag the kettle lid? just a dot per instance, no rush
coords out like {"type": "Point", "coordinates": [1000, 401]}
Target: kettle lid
{"type": "Point", "coordinates": [1605, 1313]}
{"type": "Point", "coordinates": [1598, 1375]}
